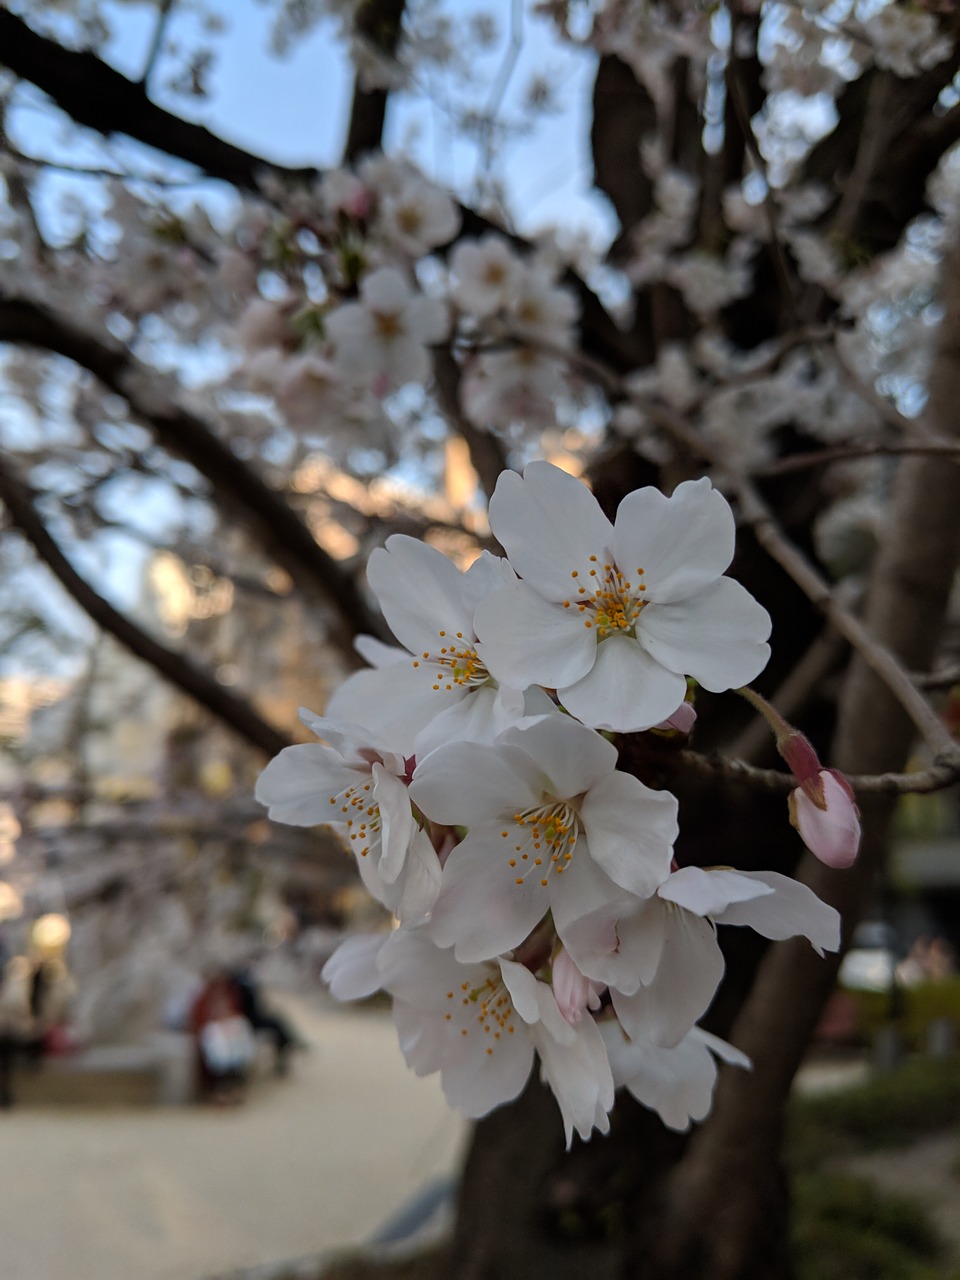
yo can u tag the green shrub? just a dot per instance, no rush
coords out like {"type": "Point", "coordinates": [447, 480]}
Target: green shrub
{"type": "Point", "coordinates": [844, 1228]}
{"type": "Point", "coordinates": [885, 1111]}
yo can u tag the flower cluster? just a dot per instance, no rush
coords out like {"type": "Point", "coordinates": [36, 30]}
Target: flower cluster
{"type": "Point", "coordinates": [541, 913]}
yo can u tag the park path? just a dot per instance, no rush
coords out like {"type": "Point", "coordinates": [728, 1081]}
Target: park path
{"type": "Point", "coordinates": [315, 1161]}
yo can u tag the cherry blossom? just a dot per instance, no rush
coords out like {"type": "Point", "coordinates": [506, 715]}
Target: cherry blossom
{"type": "Point", "coordinates": [483, 275]}
{"type": "Point", "coordinates": [614, 616]}
{"type": "Point", "coordinates": [480, 1025]}
{"type": "Point", "coordinates": [437, 688]}
{"type": "Point", "coordinates": [353, 781]}
{"type": "Point", "coordinates": [382, 340]}
{"type": "Point", "coordinates": [552, 824]}
{"type": "Point", "coordinates": [418, 217]}
{"type": "Point", "coordinates": [677, 1082]}
{"type": "Point", "coordinates": [826, 815]}
{"type": "Point", "coordinates": [660, 956]}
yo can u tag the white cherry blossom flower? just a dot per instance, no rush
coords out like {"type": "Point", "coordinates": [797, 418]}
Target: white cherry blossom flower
{"type": "Point", "coordinates": [614, 616]}
{"type": "Point", "coordinates": [382, 340]}
{"type": "Point", "coordinates": [660, 955]}
{"type": "Point", "coordinates": [540, 311]}
{"type": "Point", "coordinates": [501, 388]}
{"type": "Point", "coordinates": [437, 688]}
{"type": "Point", "coordinates": [418, 217]}
{"type": "Point", "coordinates": [553, 826]}
{"type": "Point", "coordinates": [483, 275]}
{"type": "Point", "coordinates": [479, 1025]}
{"type": "Point", "coordinates": [355, 782]}
{"type": "Point", "coordinates": [677, 1083]}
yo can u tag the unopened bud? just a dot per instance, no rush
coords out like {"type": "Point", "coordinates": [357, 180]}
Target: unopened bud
{"type": "Point", "coordinates": [828, 820]}
{"type": "Point", "coordinates": [572, 991]}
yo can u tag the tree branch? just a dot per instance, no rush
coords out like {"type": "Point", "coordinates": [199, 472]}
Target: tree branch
{"type": "Point", "coordinates": [283, 534]}
{"type": "Point", "coordinates": [869, 449]}
{"type": "Point", "coordinates": [93, 94]}
{"type": "Point", "coordinates": [377, 25]}
{"type": "Point", "coordinates": [239, 715]}
{"type": "Point", "coordinates": [486, 450]}
{"type": "Point", "coordinates": [943, 773]}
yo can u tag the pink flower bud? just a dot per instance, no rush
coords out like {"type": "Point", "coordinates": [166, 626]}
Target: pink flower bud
{"type": "Point", "coordinates": [823, 810]}
{"type": "Point", "coordinates": [683, 719]}
{"type": "Point", "coordinates": [572, 991]}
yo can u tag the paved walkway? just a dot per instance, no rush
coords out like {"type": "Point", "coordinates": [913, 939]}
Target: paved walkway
{"type": "Point", "coordinates": [315, 1161]}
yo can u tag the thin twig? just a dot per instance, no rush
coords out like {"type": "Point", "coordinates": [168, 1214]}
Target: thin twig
{"type": "Point", "coordinates": [156, 44]}
{"type": "Point", "coordinates": [780, 262]}
{"type": "Point", "coordinates": [869, 449]}
{"type": "Point", "coordinates": [943, 773]}
{"type": "Point", "coordinates": [816, 664]}
{"type": "Point", "coordinates": [934, 680]}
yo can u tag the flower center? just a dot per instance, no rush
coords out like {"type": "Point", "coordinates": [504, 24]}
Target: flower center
{"type": "Point", "coordinates": [355, 807]}
{"type": "Point", "coordinates": [544, 839]}
{"type": "Point", "coordinates": [458, 662]}
{"type": "Point", "coordinates": [609, 602]}
{"type": "Point", "coordinates": [485, 1010]}
{"type": "Point", "coordinates": [387, 324]}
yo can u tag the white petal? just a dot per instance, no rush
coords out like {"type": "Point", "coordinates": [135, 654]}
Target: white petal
{"type": "Point", "coordinates": [420, 592]}
{"type": "Point", "coordinates": [469, 782]}
{"type": "Point", "coordinates": [480, 716]}
{"type": "Point", "coordinates": [300, 783]}
{"type": "Point", "coordinates": [481, 909]}
{"type": "Point", "coordinates": [682, 543]}
{"type": "Point", "coordinates": [378, 654]}
{"type": "Point", "coordinates": [579, 1075]}
{"type": "Point", "coordinates": [351, 972]}
{"type": "Point", "coordinates": [478, 1081]}
{"type": "Point", "coordinates": [626, 690]}
{"type": "Point", "coordinates": [396, 819]}
{"type": "Point", "coordinates": [418, 886]}
{"type": "Point", "coordinates": [525, 640]}
{"type": "Point", "coordinates": [413, 969]}
{"type": "Point", "coordinates": [522, 986]}
{"type": "Point", "coordinates": [398, 701]}
{"type": "Point", "coordinates": [428, 319]}
{"type": "Point", "coordinates": [549, 524]}
{"type": "Point", "coordinates": [385, 290]}
{"type": "Point", "coordinates": [723, 1049]}
{"type": "Point", "coordinates": [484, 576]}
{"type": "Point", "coordinates": [707, 893]}
{"type": "Point", "coordinates": [677, 1083]}
{"type": "Point", "coordinates": [717, 636]}
{"type": "Point", "coordinates": [792, 909]}
{"type": "Point", "coordinates": [620, 943]}
{"type": "Point", "coordinates": [630, 830]}
{"type": "Point", "coordinates": [689, 972]}
{"type": "Point", "coordinates": [573, 758]}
